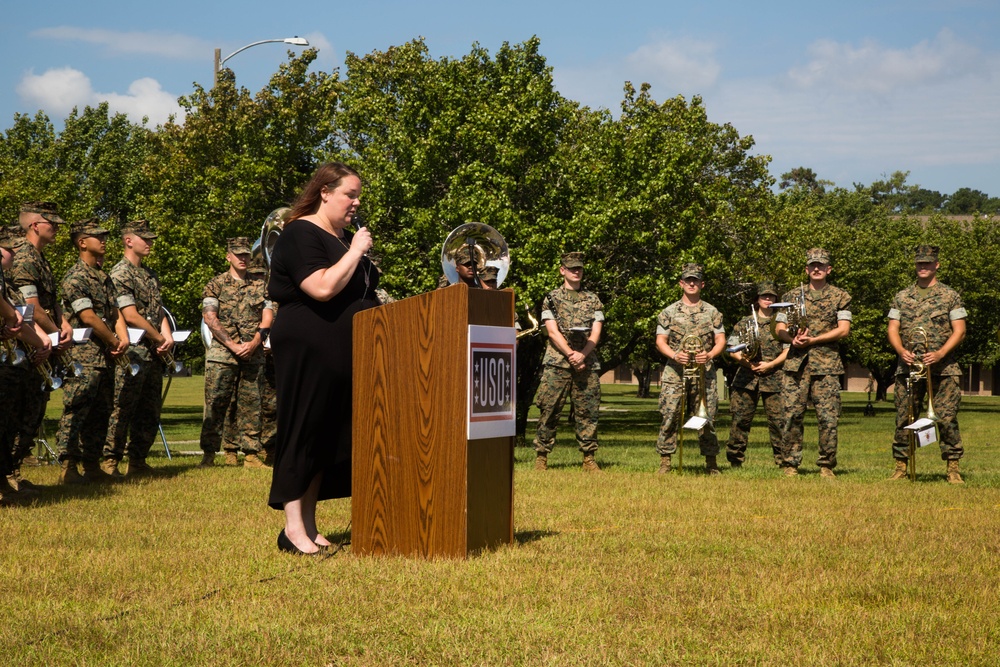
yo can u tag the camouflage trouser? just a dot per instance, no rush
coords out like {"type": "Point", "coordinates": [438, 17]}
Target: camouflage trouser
{"type": "Point", "coordinates": [824, 390]}
{"type": "Point", "coordinates": [224, 385]}
{"type": "Point", "coordinates": [585, 388]}
{"type": "Point", "coordinates": [947, 398]}
{"type": "Point", "coordinates": [742, 406]}
{"type": "Point", "coordinates": [672, 389]}
{"type": "Point", "coordinates": [136, 415]}
{"type": "Point", "coordinates": [268, 406]}
{"type": "Point", "coordinates": [34, 398]}
{"type": "Point", "coordinates": [13, 387]}
{"type": "Point", "coordinates": [87, 404]}
{"type": "Point", "coordinates": [11, 403]}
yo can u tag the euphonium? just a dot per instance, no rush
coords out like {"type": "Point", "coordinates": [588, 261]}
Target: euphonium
{"type": "Point", "coordinates": [533, 329]}
{"type": "Point", "coordinates": [796, 314]}
{"type": "Point", "coordinates": [748, 338]}
{"type": "Point", "coordinates": [693, 345]}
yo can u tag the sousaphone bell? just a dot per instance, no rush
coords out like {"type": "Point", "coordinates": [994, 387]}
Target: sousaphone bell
{"type": "Point", "coordinates": [478, 240]}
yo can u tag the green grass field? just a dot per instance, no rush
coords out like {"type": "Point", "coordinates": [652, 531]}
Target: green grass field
{"type": "Point", "coordinates": [622, 568]}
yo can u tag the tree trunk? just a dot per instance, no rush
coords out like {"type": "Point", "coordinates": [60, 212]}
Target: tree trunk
{"type": "Point", "coordinates": [644, 375]}
{"type": "Point", "coordinates": [884, 378]}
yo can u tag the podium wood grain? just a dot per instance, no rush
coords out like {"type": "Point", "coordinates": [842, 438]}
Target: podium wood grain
{"type": "Point", "coordinates": [420, 487]}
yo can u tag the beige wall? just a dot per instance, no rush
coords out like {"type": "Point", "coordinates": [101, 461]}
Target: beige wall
{"type": "Point", "coordinates": [977, 381]}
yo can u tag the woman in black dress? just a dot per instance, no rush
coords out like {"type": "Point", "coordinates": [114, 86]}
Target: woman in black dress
{"type": "Point", "coordinates": [321, 277]}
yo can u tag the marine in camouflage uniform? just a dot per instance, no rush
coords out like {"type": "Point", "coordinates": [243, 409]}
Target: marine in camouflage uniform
{"type": "Point", "coordinates": [574, 320]}
{"type": "Point", "coordinates": [813, 367]}
{"type": "Point", "coordinates": [937, 309]}
{"type": "Point", "coordinates": [268, 381]}
{"type": "Point", "coordinates": [690, 316]}
{"type": "Point", "coordinates": [32, 276]}
{"type": "Point", "coordinates": [90, 298]}
{"type": "Point", "coordinates": [12, 378]}
{"type": "Point", "coordinates": [235, 309]}
{"type": "Point", "coordinates": [136, 416]}
{"type": "Point", "coordinates": [756, 380]}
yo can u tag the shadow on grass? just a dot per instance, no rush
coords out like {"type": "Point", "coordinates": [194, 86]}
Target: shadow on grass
{"type": "Point", "coordinates": [523, 537]}
{"type": "Point", "coordinates": [60, 493]}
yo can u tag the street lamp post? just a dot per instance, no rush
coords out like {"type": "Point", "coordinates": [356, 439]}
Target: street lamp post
{"type": "Point", "coordinates": [219, 61]}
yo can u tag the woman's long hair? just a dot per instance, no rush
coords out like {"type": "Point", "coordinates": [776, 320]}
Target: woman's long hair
{"type": "Point", "coordinates": [329, 176]}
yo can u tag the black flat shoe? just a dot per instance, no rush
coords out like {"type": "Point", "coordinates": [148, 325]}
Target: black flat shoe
{"type": "Point", "coordinates": [286, 545]}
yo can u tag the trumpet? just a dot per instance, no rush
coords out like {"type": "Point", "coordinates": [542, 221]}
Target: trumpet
{"type": "Point", "coordinates": [693, 372]}
{"type": "Point", "coordinates": [174, 367]}
{"type": "Point", "coordinates": [11, 354]}
{"type": "Point", "coordinates": [129, 367]}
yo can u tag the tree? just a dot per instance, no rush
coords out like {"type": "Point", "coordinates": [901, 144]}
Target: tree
{"type": "Point", "coordinates": [803, 177]}
{"type": "Point", "coordinates": [234, 159]}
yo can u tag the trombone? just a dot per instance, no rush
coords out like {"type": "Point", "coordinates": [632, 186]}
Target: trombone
{"type": "Point", "coordinates": [693, 372]}
{"type": "Point", "coordinates": [919, 344]}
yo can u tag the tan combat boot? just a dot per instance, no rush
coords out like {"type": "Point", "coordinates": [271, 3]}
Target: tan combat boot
{"type": "Point", "coordinates": [138, 468]}
{"type": "Point", "coordinates": [791, 471]}
{"type": "Point", "coordinates": [589, 464]}
{"type": "Point", "coordinates": [253, 461]}
{"type": "Point", "coordinates": [207, 460]}
{"type": "Point", "coordinates": [664, 465]}
{"type": "Point", "coordinates": [22, 485]}
{"type": "Point", "coordinates": [69, 474]}
{"type": "Point", "coordinates": [93, 472]}
{"type": "Point", "coordinates": [953, 476]}
{"type": "Point", "coordinates": [711, 466]}
{"type": "Point", "coordinates": [826, 473]}
{"type": "Point", "coordinates": [542, 462]}
{"type": "Point", "coordinates": [110, 468]}
{"type": "Point", "coordinates": [232, 458]}
{"type": "Point", "coordinates": [268, 457]}
{"type": "Point", "coordinates": [900, 471]}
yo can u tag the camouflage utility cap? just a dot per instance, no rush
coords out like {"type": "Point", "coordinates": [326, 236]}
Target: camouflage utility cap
{"type": "Point", "coordinates": [46, 209]}
{"type": "Point", "coordinates": [462, 256]}
{"type": "Point", "coordinates": [572, 260]}
{"type": "Point", "coordinates": [139, 228]}
{"type": "Point", "coordinates": [8, 237]}
{"type": "Point", "coordinates": [692, 270]}
{"type": "Point", "coordinates": [90, 227]}
{"type": "Point", "coordinates": [817, 256]}
{"type": "Point", "coordinates": [926, 253]}
{"type": "Point", "coordinates": [768, 287]}
{"type": "Point", "coordinates": [239, 245]}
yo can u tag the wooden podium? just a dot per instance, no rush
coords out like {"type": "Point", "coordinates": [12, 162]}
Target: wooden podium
{"type": "Point", "coordinates": [420, 487]}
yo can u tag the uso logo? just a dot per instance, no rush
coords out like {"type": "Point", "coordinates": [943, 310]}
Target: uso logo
{"type": "Point", "coordinates": [492, 391]}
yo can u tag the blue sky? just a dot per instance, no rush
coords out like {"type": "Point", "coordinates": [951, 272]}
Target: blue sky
{"type": "Point", "coordinates": [854, 90]}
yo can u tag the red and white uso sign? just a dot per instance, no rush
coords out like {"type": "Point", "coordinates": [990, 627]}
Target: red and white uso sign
{"type": "Point", "coordinates": [492, 402]}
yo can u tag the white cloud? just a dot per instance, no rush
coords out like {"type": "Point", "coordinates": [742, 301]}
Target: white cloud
{"type": "Point", "coordinates": [672, 67]}
{"type": "Point", "coordinates": [871, 68]}
{"type": "Point", "coordinates": [165, 45]}
{"type": "Point", "coordinates": [685, 64]}
{"type": "Point", "coordinates": [59, 90]}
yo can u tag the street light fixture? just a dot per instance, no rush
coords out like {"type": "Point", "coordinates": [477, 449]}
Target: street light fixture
{"type": "Point", "coordinates": [219, 61]}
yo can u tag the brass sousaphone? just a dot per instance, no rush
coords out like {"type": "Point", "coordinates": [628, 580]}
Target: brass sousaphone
{"type": "Point", "coordinates": [486, 244]}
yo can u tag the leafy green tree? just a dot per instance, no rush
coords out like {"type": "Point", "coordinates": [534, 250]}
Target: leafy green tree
{"type": "Point", "coordinates": [803, 177]}
{"type": "Point", "coordinates": [966, 201]}
{"type": "Point", "coordinates": [234, 159]}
